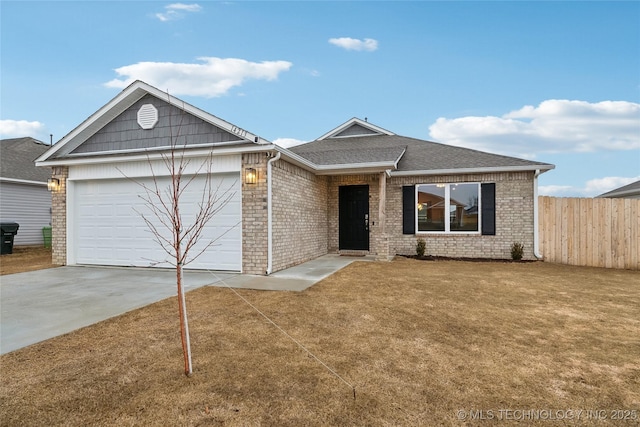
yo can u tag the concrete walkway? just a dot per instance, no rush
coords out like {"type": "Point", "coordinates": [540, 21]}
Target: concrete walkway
{"type": "Point", "coordinates": [296, 278]}
{"type": "Point", "coordinates": [39, 305]}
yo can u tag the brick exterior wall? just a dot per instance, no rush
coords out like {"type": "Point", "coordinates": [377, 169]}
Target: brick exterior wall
{"type": "Point", "coordinates": [514, 218]}
{"type": "Point", "coordinates": [254, 215]}
{"type": "Point", "coordinates": [299, 215]}
{"type": "Point", "coordinates": [59, 217]}
{"type": "Point", "coordinates": [306, 214]}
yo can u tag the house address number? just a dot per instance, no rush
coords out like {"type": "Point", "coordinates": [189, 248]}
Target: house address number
{"type": "Point", "coordinates": [239, 131]}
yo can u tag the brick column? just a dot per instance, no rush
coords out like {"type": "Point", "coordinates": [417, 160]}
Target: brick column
{"type": "Point", "coordinates": [59, 217]}
{"type": "Point", "coordinates": [382, 246]}
{"type": "Point", "coordinates": [254, 215]}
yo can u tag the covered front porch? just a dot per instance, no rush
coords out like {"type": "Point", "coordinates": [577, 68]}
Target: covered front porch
{"type": "Point", "coordinates": [357, 215]}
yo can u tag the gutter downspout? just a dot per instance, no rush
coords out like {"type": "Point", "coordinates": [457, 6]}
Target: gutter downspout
{"type": "Point", "coordinates": [536, 237]}
{"type": "Point", "coordinates": [270, 215]}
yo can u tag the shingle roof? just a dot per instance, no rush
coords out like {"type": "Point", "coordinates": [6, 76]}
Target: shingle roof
{"type": "Point", "coordinates": [628, 190]}
{"type": "Point", "coordinates": [320, 154]}
{"type": "Point", "coordinates": [17, 156]}
{"type": "Point", "coordinates": [420, 155]}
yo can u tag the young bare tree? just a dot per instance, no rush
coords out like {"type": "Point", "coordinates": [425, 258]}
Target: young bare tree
{"type": "Point", "coordinates": [178, 238]}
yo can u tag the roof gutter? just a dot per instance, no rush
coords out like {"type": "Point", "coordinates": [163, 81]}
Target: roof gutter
{"type": "Point", "coordinates": [493, 169]}
{"type": "Point", "coordinates": [135, 156]}
{"type": "Point", "coordinates": [355, 168]}
{"type": "Point", "coordinates": [23, 181]}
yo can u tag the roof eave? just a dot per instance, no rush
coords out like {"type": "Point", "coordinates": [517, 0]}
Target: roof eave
{"type": "Point", "coordinates": [493, 169]}
{"type": "Point", "coordinates": [355, 168]}
{"type": "Point", "coordinates": [155, 154]}
{"type": "Point", "coordinates": [22, 181]}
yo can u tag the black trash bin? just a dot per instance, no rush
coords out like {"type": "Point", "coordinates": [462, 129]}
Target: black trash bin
{"type": "Point", "coordinates": [7, 232]}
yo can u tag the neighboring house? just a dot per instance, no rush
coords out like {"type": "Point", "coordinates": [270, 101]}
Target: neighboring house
{"type": "Point", "coordinates": [23, 189]}
{"type": "Point", "coordinates": [354, 190]}
{"type": "Point", "coordinates": [629, 191]}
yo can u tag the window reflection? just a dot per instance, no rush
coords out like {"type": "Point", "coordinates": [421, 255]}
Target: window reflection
{"type": "Point", "coordinates": [448, 207]}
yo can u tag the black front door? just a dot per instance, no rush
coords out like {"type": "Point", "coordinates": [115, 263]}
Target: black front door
{"type": "Point", "coordinates": [354, 217]}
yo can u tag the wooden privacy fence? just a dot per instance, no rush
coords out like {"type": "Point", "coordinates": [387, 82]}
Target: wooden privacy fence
{"type": "Point", "coordinates": [590, 232]}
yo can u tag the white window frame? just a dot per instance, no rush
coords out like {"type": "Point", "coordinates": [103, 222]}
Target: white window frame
{"type": "Point", "coordinates": [447, 222]}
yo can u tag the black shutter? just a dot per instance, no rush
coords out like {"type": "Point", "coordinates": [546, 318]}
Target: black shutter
{"type": "Point", "coordinates": [408, 209]}
{"type": "Point", "coordinates": [488, 200]}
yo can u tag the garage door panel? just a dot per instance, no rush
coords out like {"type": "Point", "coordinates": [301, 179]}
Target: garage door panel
{"type": "Point", "coordinates": [109, 229]}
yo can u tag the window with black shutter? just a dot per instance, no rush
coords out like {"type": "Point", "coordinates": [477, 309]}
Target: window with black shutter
{"type": "Point", "coordinates": [408, 209]}
{"type": "Point", "coordinates": [488, 197]}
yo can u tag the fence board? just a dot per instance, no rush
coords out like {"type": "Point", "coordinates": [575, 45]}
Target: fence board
{"type": "Point", "coordinates": [587, 241]}
{"type": "Point", "coordinates": [634, 232]}
{"type": "Point", "coordinates": [590, 232]}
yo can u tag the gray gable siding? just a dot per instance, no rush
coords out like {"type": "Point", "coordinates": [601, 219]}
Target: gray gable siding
{"type": "Point", "coordinates": [354, 130]}
{"type": "Point", "coordinates": [124, 133]}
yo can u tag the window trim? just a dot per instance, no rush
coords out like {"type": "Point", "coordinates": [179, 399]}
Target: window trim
{"type": "Point", "coordinates": [447, 196]}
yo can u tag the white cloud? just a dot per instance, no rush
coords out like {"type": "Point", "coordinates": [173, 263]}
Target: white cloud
{"type": "Point", "coordinates": [602, 185]}
{"type": "Point", "coordinates": [591, 188]}
{"type": "Point", "coordinates": [555, 190]}
{"type": "Point", "coordinates": [19, 128]}
{"type": "Point", "coordinates": [287, 142]}
{"type": "Point", "coordinates": [176, 11]}
{"type": "Point", "coordinates": [214, 77]}
{"type": "Point", "coordinates": [186, 7]}
{"type": "Point", "coordinates": [348, 43]}
{"type": "Point", "coordinates": [553, 126]}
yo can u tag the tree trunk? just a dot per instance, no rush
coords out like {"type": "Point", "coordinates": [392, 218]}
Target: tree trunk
{"type": "Point", "coordinates": [184, 323]}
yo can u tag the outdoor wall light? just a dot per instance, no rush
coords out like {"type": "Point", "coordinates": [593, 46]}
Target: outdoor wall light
{"type": "Point", "coordinates": [250, 176]}
{"type": "Point", "coordinates": [53, 184]}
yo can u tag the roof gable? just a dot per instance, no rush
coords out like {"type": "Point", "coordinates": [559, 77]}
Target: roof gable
{"type": "Point", "coordinates": [353, 128]}
{"type": "Point", "coordinates": [173, 125]}
{"type": "Point", "coordinates": [123, 102]}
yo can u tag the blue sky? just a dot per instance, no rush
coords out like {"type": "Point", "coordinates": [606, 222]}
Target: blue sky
{"type": "Point", "coordinates": [557, 82]}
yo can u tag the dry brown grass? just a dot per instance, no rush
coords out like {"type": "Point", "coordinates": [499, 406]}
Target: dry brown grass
{"type": "Point", "coordinates": [419, 340]}
{"type": "Point", "coordinates": [25, 258]}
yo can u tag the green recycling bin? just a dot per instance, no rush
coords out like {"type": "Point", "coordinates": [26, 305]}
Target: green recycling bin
{"type": "Point", "coordinates": [46, 236]}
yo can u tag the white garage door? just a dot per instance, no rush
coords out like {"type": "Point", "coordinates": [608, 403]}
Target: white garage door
{"type": "Point", "coordinates": [107, 230]}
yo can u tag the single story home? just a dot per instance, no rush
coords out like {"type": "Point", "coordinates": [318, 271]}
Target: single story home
{"type": "Point", "coordinates": [358, 189]}
{"type": "Point", "coordinates": [24, 198]}
{"type": "Point", "coordinates": [629, 191]}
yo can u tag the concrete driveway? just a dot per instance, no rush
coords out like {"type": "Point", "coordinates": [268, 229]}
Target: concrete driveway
{"type": "Point", "coordinates": [43, 304]}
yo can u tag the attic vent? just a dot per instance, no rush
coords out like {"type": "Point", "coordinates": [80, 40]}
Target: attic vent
{"type": "Point", "coordinates": [147, 116]}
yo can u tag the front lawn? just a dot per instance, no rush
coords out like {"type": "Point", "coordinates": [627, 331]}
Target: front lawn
{"type": "Point", "coordinates": [423, 342]}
